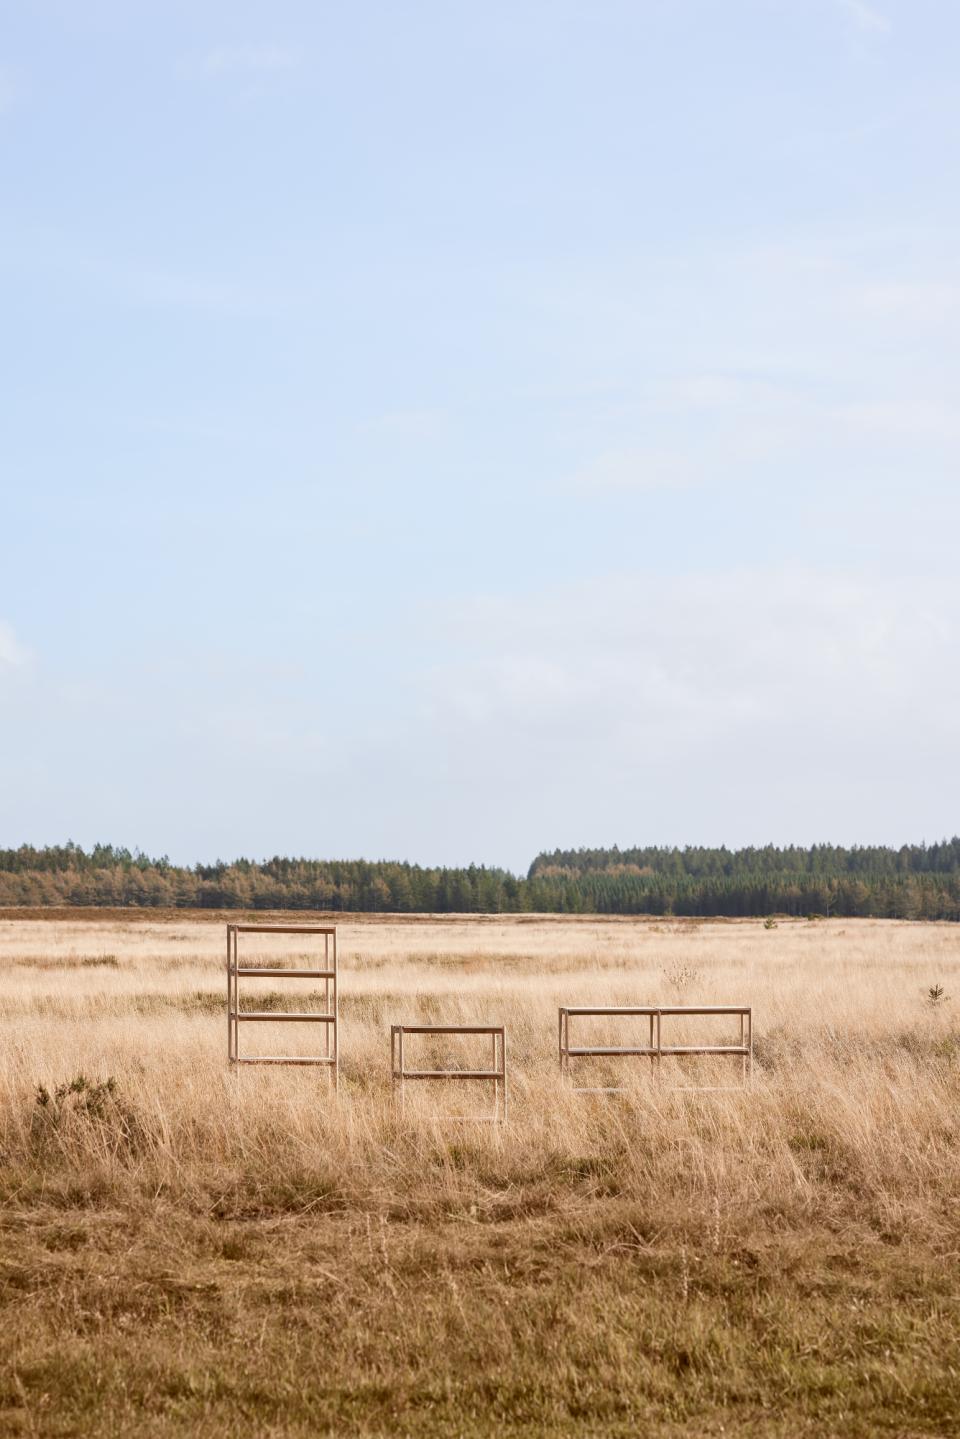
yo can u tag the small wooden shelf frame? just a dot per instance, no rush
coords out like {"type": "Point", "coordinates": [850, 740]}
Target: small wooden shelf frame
{"type": "Point", "coordinates": [496, 1074]}
{"type": "Point", "coordinates": [328, 1016]}
{"type": "Point", "coordinates": [654, 1050]}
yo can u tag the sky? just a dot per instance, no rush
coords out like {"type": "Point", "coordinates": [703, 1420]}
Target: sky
{"type": "Point", "coordinates": [446, 431]}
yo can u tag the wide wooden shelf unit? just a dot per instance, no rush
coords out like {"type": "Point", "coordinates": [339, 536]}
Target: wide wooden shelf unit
{"type": "Point", "coordinates": [655, 1049]}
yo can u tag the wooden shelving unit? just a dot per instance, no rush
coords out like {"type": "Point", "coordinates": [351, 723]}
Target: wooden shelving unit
{"type": "Point", "coordinates": [328, 1017]}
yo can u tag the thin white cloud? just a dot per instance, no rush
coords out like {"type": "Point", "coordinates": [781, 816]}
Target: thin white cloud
{"type": "Point", "coordinates": [11, 653]}
{"type": "Point", "coordinates": [9, 90]}
{"type": "Point", "coordinates": [249, 60]}
{"type": "Point", "coordinates": [914, 421]}
{"type": "Point", "coordinates": [924, 301]}
{"type": "Point", "coordinates": [635, 469]}
{"type": "Point", "coordinates": [682, 661]}
{"type": "Point", "coordinates": [701, 429]}
{"type": "Point", "coordinates": [865, 17]}
{"type": "Point", "coordinates": [166, 289]}
{"type": "Point", "coordinates": [412, 424]}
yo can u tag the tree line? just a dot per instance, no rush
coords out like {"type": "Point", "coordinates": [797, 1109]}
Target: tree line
{"type": "Point", "coordinates": [912, 882]}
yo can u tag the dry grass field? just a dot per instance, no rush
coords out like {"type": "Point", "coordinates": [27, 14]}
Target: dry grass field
{"type": "Point", "coordinates": [189, 1250]}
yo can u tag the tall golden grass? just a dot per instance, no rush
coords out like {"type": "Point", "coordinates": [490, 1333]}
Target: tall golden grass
{"type": "Point", "coordinates": [676, 1257]}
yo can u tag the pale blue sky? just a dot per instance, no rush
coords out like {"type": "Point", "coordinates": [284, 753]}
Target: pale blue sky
{"type": "Point", "coordinates": [441, 431]}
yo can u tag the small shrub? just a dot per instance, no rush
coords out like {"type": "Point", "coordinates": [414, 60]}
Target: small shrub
{"type": "Point", "coordinates": [769, 922]}
{"type": "Point", "coordinates": [83, 1105]}
{"type": "Point", "coordinates": [92, 1097]}
{"type": "Point", "coordinates": [681, 976]}
{"type": "Point", "coordinates": [936, 996]}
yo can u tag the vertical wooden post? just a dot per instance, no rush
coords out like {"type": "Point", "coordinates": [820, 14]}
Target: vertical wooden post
{"type": "Point", "coordinates": [229, 1003]}
{"type": "Point", "coordinates": [496, 1083]}
{"type": "Point", "coordinates": [326, 992]}
{"type": "Point", "coordinates": [336, 1015]}
{"type": "Point", "coordinates": [560, 1042]}
{"type": "Point", "coordinates": [503, 1060]}
{"type": "Point", "coordinates": [236, 995]}
{"type": "Point", "coordinates": [233, 994]}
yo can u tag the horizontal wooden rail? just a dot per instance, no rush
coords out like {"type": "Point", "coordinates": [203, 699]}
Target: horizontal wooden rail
{"type": "Point", "coordinates": [449, 1028]}
{"type": "Point", "coordinates": [628, 1009]}
{"type": "Point", "coordinates": [703, 1009]}
{"type": "Point", "coordinates": [285, 1059]}
{"type": "Point", "coordinates": [291, 970]}
{"type": "Point", "coordinates": [283, 928]}
{"type": "Point", "coordinates": [292, 1016]}
{"type": "Point", "coordinates": [611, 1049]}
{"type": "Point", "coordinates": [610, 1009]}
{"type": "Point", "coordinates": [655, 1050]}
